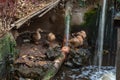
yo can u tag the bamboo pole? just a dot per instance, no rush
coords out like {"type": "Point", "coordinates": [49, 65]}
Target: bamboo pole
{"type": "Point", "coordinates": [65, 49]}
{"type": "Point", "coordinates": [57, 64]}
{"type": "Point", "coordinates": [54, 69]}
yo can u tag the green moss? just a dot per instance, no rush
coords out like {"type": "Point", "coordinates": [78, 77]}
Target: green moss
{"type": "Point", "coordinates": [49, 75]}
{"type": "Point", "coordinates": [90, 18]}
{"type": "Point", "coordinates": [7, 52]}
{"type": "Point", "coordinates": [52, 69]}
{"type": "Point", "coordinates": [7, 45]}
{"type": "Point", "coordinates": [91, 24]}
{"type": "Point", "coordinates": [118, 0]}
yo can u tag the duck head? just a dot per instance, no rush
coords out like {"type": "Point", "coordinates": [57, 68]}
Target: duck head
{"type": "Point", "coordinates": [39, 30]}
{"type": "Point", "coordinates": [82, 33]}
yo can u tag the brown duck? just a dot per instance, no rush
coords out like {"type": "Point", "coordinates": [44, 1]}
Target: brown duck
{"type": "Point", "coordinates": [36, 36]}
{"type": "Point", "coordinates": [51, 37]}
{"type": "Point", "coordinates": [82, 33]}
{"type": "Point", "coordinates": [76, 42]}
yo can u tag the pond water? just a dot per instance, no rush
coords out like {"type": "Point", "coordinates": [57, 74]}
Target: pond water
{"type": "Point", "coordinates": [86, 73]}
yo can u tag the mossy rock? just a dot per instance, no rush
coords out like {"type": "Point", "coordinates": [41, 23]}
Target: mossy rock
{"type": "Point", "coordinates": [7, 45]}
{"type": "Point", "coordinates": [91, 24]}
{"type": "Point", "coordinates": [7, 52]}
{"type": "Point", "coordinates": [90, 18]}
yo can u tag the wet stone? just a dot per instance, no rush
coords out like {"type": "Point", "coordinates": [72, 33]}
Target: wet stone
{"type": "Point", "coordinates": [78, 57]}
{"type": "Point", "coordinates": [53, 53]}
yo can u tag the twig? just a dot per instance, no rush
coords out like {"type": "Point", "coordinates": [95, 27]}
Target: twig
{"type": "Point", "coordinates": [23, 20]}
{"type": "Point", "coordinates": [50, 7]}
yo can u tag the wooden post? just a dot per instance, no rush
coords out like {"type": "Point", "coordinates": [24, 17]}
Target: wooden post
{"type": "Point", "coordinates": [118, 55]}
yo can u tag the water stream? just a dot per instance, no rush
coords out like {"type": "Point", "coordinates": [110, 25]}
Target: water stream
{"type": "Point", "coordinates": [86, 73]}
{"type": "Point", "coordinates": [101, 35]}
{"type": "Point", "coordinates": [67, 22]}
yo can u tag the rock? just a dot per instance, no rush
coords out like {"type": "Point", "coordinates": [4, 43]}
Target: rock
{"type": "Point", "coordinates": [78, 16]}
{"type": "Point", "coordinates": [52, 53]}
{"type": "Point", "coordinates": [78, 58]}
{"type": "Point", "coordinates": [69, 64]}
{"type": "Point", "coordinates": [84, 52]}
{"type": "Point", "coordinates": [77, 61]}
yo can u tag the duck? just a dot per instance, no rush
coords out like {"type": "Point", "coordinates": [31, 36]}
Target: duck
{"type": "Point", "coordinates": [82, 33]}
{"type": "Point", "coordinates": [51, 37]}
{"type": "Point", "coordinates": [80, 38]}
{"type": "Point", "coordinates": [76, 41]}
{"type": "Point", "coordinates": [36, 36]}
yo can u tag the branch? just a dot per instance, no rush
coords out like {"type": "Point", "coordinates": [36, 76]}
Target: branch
{"type": "Point", "coordinates": [21, 21]}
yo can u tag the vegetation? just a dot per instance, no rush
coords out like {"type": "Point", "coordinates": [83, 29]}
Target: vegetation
{"type": "Point", "coordinates": [118, 0]}
{"type": "Point", "coordinates": [7, 51]}
{"type": "Point", "coordinates": [91, 24]}
{"type": "Point", "coordinates": [90, 17]}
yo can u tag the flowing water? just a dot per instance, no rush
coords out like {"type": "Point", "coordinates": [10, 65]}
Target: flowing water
{"type": "Point", "coordinates": [101, 35]}
{"type": "Point", "coordinates": [86, 73]}
{"type": "Point", "coordinates": [67, 22]}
